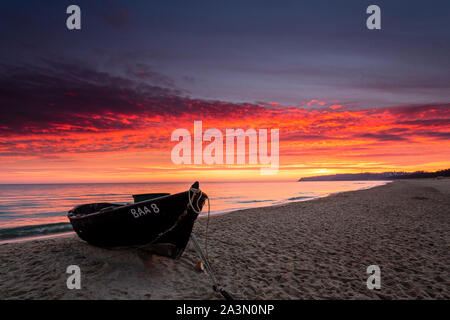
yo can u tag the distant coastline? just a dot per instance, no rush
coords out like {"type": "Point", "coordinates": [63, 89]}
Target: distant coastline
{"type": "Point", "coordinates": [379, 176]}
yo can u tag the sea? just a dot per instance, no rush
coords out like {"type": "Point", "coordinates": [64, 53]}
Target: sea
{"type": "Point", "coordinates": [33, 210]}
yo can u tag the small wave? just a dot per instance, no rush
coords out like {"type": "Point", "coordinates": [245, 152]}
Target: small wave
{"type": "Point", "coordinates": [224, 198]}
{"type": "Point", "coordinates": [299, 198]}
{"type": "Point", "coordinates": [21, 203]}
{"type": "Point", "coordinates": [29, 231]}
{"type": "Point", "coordinates": [99, 195]}
{"type": "Point", "coordinates": [254, 201]}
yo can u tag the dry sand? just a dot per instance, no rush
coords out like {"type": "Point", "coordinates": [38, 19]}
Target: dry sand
{"type": "Point", "coordinates": [318, 249]}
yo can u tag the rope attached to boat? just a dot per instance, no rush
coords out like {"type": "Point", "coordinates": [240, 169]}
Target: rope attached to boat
{"type": "Point", "coordinates": [161, 234]}
{"type": "Point", "coordinates": [216, 286]}
{"type": "Point", "coordinates": [198, 211]}
{"type": "Point", "coordinates": [205, 258]}
{"type": "Point", "coordinates": [194, 192]}
{"type": "Point", "coordinates": [143, 246]}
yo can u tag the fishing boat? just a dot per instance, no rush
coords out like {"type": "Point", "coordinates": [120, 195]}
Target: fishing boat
{"type": "Point", "coordinates": [164, 219]}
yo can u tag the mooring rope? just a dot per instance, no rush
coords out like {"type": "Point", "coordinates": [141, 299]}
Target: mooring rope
{"type": "Point", "coordinates": [205, 258]}
{"type": "Point", "coordinates": [198, 211]}
{"type": "Point", "coordinates": [207, 229]}
{"type": "Point", "coordinates": [161, 234]}
{"type": "Point", "coordinates": [137, 247]}
{"type": "Point", "coordinates": [216, 286]}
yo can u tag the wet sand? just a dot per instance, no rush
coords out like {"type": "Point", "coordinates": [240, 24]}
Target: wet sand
{"type": "Point", "coordinates": [317, 249]}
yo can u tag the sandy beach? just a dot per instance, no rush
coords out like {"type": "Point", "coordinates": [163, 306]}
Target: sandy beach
{"type": "Point", "coordinates": [317, 249]}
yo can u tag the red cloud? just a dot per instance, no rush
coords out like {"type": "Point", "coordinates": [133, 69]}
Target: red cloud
{"type": "Point", "coordinates": [52, 113]}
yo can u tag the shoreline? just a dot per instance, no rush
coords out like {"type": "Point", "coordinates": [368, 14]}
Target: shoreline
{"type": "Point", "coordinates": [300, 250]}
{"type": "Point", "coordinates": [36, 238]}
{"type": "Point", "coordinates": [201, 216]}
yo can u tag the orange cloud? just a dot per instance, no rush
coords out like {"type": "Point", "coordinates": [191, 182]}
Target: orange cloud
{"type": "Point", "coordinates": [137, 146]}
{"type": "Point", "coordinates": [115, 129]}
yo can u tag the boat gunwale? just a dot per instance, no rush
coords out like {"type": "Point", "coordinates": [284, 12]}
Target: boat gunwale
{"type": "Point", "coordinates": [71, 215]}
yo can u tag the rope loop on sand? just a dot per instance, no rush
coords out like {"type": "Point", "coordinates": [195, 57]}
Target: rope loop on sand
{"type": "Point", "coordinates": [216, 286]}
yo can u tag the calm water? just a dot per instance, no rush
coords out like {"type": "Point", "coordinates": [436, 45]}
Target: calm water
{"type": "Point", "coordinates": [30, 210]}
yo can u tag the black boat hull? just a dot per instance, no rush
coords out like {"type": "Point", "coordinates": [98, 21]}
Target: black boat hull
{"type": "Point", "coordinates": [165, 220]}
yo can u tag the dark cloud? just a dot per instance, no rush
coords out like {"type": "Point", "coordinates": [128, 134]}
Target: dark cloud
{"type": "Point", "coordinates": [145, 72]}
{"type": "Point", "coordinates": [437, 135]}
{"type": "Point", "coordinates": [40, 99]}
{"type": "Point", "coordinates": [383, 137]}
{"type": "Point", "coordinates": [55, 97]}
{"type": "Point", "coordinates": [421, 110]}
{"type": "Point", "coordinates": [426, 122]}
{"type": "Point", "coordinates": [298, 136]}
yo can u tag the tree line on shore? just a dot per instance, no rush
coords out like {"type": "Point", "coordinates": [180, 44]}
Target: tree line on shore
{"type": "Point", "coordinates": [379, 176]}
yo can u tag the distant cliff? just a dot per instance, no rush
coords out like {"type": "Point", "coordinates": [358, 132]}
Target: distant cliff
{"type": "Point", "coordinates": [379, 176]}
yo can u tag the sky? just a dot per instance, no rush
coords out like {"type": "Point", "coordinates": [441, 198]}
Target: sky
{"type": "Point", "coordinates": [99, 104]}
